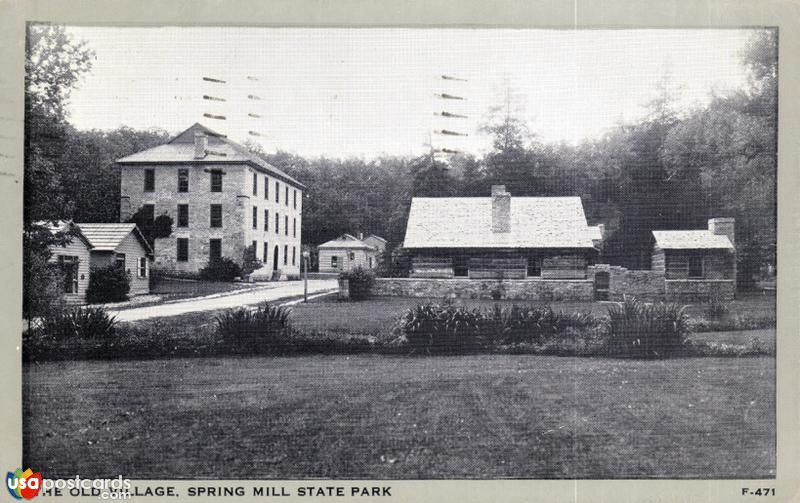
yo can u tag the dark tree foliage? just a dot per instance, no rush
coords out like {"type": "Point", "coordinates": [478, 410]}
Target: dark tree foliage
{"type": "Point", "coordinates": [668, 171]}
{"type": "Point", "coordinates": [54, 63]}
{"type": "Point", "coordinates": [41, 280]}
{"type": "Point", "coordinates": [159, 227]}
{"type": "Point", "coordinates": [90, 176]}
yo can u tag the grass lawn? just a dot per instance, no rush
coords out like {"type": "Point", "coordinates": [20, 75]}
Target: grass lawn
{"type": "Point", "coordinates": [377, 315]}
{"type": "Point", "coordinates": [379, 417]}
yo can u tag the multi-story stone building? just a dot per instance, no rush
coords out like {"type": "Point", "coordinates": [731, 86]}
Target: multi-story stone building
{"type": "Point", "coordinates": [222, 199]}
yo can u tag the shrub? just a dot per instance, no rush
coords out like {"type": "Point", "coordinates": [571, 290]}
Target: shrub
{"type": "Point", "coordinates": [250, 261]}
{"type": "Point", "coordinates": [517, 324]}
{"type": "Point", "coordinates": [360, 280]}
{"type": "Point", "coordinates": [108, 284]}
{"type": "Point", "coordinates": [81, 323]}
{"type": "Point", "coordinates": [264, 329]}
{"type": "Point", "coordinates": [716, 309]}
{"type": "Point", "coordinates": [443, 328]}
{"type": "Point", "coordinates": [221, 269]}
{"type": "Point", "coordinates": [644, 330]}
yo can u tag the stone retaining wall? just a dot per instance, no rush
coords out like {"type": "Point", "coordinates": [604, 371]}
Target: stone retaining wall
{"type": "Point", "coordinates": [644, 285]}
{"type": "Point", "coordinates": [520, 289]}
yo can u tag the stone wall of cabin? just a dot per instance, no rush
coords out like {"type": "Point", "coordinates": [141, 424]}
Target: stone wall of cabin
{"type": "Point", "coordinates": [700, 290]}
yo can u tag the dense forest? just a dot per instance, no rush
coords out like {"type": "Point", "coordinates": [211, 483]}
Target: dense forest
{"type": "Point", "coordinates": [672, 170]}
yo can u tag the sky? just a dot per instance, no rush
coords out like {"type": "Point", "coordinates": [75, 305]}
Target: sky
{"type": "Point", "coordinates": [341, 92]}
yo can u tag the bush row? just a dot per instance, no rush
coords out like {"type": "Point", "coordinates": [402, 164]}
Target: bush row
{"type": "Point", "coordinates": [631, 329]}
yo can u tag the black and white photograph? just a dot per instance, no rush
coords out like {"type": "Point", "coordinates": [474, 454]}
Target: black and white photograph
{"type": "Point", "coordinates": [399, 253]}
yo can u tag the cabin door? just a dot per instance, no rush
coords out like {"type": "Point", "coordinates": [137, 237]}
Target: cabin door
{"type": "Point", "coordinates": [602, 283]}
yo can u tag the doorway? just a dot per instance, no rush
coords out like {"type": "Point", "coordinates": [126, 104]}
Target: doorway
{"type": "Point", "coordinates": [275, 259]}
{"type": "Point", "coordinates": [602, 283]}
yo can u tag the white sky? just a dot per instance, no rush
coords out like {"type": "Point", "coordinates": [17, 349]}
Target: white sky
{"type": "Point", "coordinates": [362, 92]}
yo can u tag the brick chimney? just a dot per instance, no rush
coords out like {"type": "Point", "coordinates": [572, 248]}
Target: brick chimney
{"type": "Point", "coordinates": [200, 145]}
{"type": "Point", "coordinates": [723, 226]}
{"type": "Point", "coordinates": [501, 209]}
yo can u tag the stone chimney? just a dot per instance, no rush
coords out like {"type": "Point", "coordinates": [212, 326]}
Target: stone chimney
{"type": "Point", "coordinates": [125, 208]}
{"type": "Point", "coordinates": [723, 226]}
{"type": "Point", "coordinates": [360, 236]}
{"type": "Point", "coordinates": [200, 145]}
{"type": "Point", "coordinates": [501, 209]}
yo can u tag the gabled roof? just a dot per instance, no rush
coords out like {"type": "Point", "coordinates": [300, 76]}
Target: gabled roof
{"type": "Point", "coordinates": [466, 222]}
{"type": "Point", "coordinates": [347, 241]}
{"type": "Point", "coordinates": [221, 150]}
{"type": "Point", "coordinates": [595, 232]}
{"type": "Point", "coordinates": [57, 226]}
{"type": "Point", "coordinates": [691, 240]}
{"type": "Point", "coordinates": [108, 237]}
{"type": "Point", "coordinates": [378, 238]}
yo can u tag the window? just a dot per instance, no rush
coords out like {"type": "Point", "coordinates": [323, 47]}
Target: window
{"type": "Point", "coordinates": [277, 191]}
{"type": "Point", "coordinates": [149, 180]}
{"type": "Point", "coordinates": [183, 249]}
{"type": "Point", "coordinates": [216, 181]}
{"type": "Point", "coordinates": [216, 215]}
{"type": "Point", "coordinates": [334, 261]}
{"type": "Point", "coordinates": [255, 217]}
{"type": "Point", "coordinates": [183, 215]}
{"type": "Point", "coordinates": [266, 249]}
{"type": "Point", "coordinates": [695, 266]}
{"type": "Point", "coordinates": [255, 184]}
{"type": "Point", "coordinates": [266, 220]}
{"type": "Point", "coordinates": [69, 265]}
{"type": "Point", "coordinates": [119, 260]}
{"type": "Point", "coordinates": [266, 188]}
{"type": "Point", "coordinates": [534, 266]}
{"type": "Point", "coordinates": [149, 213]}
{"type": "Point", "coordinates": [255, 250]}
{"type": "Point", "coordinates": [286, 225]}
{"type": "Point", "coordinates": [370, 262]}
{"type": "Point", "coordinates": [294, 254]}
{"type": "Point", "coordinates": [286, 196]}
{"type": "Point", "coordinates": [214, 249]}
{"type": "Point", "coordinates": [294, 228]}
{"type": "Point", "coordinates": [183, 180]}
{"type": "Point", "coordinates": [142, 267]}
{"type": "Point", "coordinates": [277, 223]}
{"type": "Point", "coordinates": [285, 254]}
{"type": "Point", "coordinates": [294, 199]}
{"type": "Point", "coordinates": [352, 256]}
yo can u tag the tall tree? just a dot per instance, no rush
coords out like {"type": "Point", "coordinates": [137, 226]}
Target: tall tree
{"type": "Point", "coordinates": [54, 64]}
{"type": "Point", "coordinates": [732, 146]}
{"type": "Point", "coordinates": [89, 176]}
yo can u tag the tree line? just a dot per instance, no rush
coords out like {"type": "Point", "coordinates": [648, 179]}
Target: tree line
{"type": "Point", "coordinates": [671, 170]}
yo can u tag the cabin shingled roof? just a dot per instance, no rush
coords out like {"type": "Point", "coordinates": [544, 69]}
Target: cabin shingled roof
{"type": "Point", "coordinates": [691, 240]}
{"type": "Point", "coordinates": [346, 241]}
{"type": "Point", "coordinates": [466, 222]}
{"type": "Point", "coordinates": [108, 236]}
